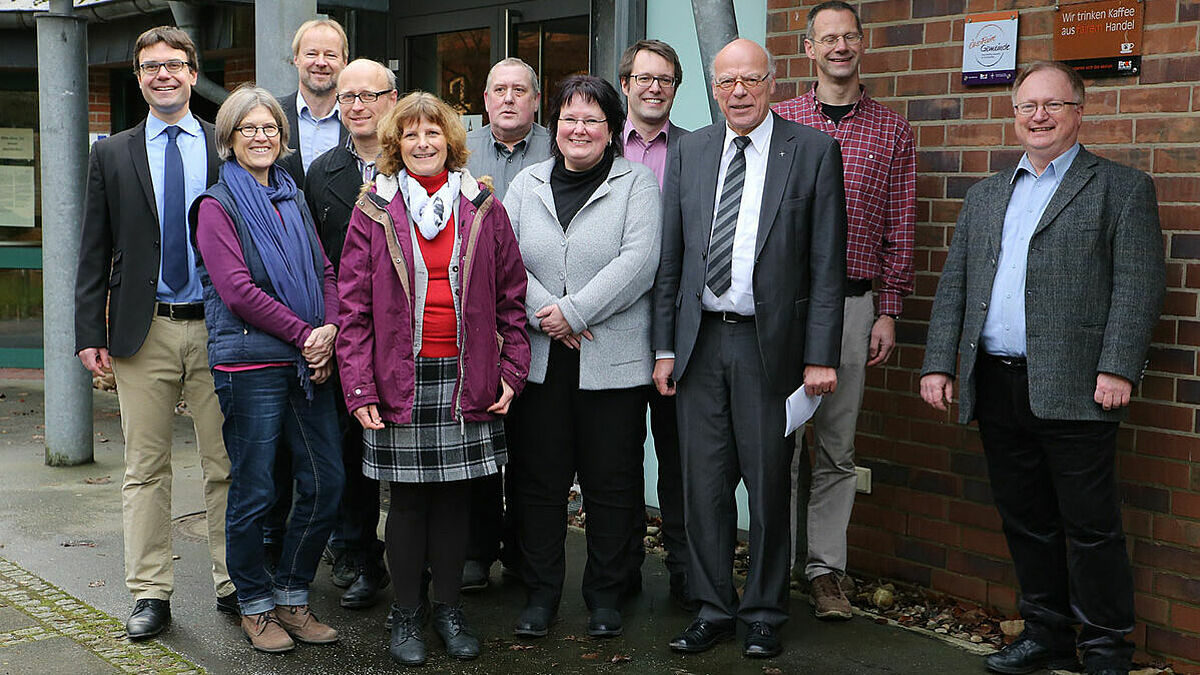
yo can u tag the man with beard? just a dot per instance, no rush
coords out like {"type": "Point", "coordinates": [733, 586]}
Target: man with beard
{"type": "Point", "coordinates": [319, 51]}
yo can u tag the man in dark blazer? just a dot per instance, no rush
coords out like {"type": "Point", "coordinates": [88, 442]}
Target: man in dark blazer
{"type": "Point", "coordinates": [747, 309]}
{"type": "Point", "coordinates": [319, 52]}
{"type": "Point", "coordinates": [650, 74]}
{"type": "Point", "coordinates": [137, 262]}
{"type": "Point", "coordinates": [366, 92]}
{"type": "Point", "coordinates": [1048, 298]}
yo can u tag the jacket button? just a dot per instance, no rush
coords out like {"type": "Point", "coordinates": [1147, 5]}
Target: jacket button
{"type": "Point", "coordinates": [562, 243]}
{"type": "Point", "coordinates": [358, 392]}
{"type": "Point", "coordinates": [983, 305]}
{"type": "Point", "coordinates": [699, 294]}
{"type": "Point", "coordinates": [152, 282]}
{"type": "Point", "coordinates": [972, 345]}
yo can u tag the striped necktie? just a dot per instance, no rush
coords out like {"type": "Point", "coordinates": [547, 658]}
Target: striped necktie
{"type": "Point", "coordinates": [720, 248]}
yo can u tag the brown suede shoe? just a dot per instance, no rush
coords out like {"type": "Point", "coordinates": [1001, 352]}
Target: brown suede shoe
{"type": "Point", "coordinates": [265, 634]}
{"type": "Point", "coordinates": [304, 626]}
{"type": "Point", "coordinates": [828, 600]}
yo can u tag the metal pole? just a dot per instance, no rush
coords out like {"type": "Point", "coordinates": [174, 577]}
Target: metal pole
{"type": "Point", "coordinates": [63, 127]}
{"type": "Point", "coordinates": [275, 22]}
{"type": "Point", "coordinates": [716, 26]}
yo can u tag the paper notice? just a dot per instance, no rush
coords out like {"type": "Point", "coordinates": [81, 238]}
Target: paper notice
{"type": "Point", "coordinates": [799, 408]}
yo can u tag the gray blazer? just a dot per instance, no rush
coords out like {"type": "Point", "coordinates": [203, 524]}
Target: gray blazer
{"type": "Point", "coordinates": [1093, 290]}
{"type": "Point", "coordinates": [599, 271]}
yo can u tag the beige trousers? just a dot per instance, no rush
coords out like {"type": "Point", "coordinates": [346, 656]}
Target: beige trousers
{"type": "Point", "coordinates": [174, 358]}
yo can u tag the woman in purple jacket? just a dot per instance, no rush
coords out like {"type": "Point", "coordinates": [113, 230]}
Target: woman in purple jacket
{"type": "Point", "coordinates": [431, 353]}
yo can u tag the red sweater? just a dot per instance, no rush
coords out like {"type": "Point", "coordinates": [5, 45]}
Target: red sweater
{"type": "Point", "coordinates": [439, 330]}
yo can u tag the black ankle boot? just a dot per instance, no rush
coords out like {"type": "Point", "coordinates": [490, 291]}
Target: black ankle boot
{"type": "Point", "coordinates": [408, 644]}
{"type": "Point", "coordinates": [451, 626]}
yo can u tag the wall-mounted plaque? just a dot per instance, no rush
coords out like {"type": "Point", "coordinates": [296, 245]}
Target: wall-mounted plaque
{"type": "Point", "coordinates": [990, 48]}
{"type": "Point", "coordinates": [1101, 38]}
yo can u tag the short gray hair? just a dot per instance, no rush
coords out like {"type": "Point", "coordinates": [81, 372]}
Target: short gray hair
{"type": "Point", "coordinates": [514, 61]}
{"type": "Point", "coordinates": [235, 108]}
{"type": "Point", "coordinates": [387, 72]}
{"type": "Point", "coordinates": [712, 67]}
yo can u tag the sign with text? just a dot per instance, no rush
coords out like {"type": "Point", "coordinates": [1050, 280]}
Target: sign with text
{"type": "Point", "coordinates": [990, 48]}
{"type": "Point", "coordinates": [1100, 39]}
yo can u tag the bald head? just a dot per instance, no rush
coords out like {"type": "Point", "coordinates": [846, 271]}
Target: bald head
{"type": "Point", "coordinates": [743, 80]}
{"type": "Point", "coordinates": [365, 78]}
{"type": "Point", "coordinates": [372, 70]}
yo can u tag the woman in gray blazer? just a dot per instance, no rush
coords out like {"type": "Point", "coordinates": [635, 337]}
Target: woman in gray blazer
{"type": "Point", "coordinates": [588, 224]}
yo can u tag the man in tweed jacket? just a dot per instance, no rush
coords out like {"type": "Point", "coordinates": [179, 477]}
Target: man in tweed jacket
{"type": "Point", "coordinates": [1050, 292]}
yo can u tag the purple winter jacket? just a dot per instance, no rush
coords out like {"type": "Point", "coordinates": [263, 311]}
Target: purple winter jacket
{"type": "Point", "coordinates": [375, 342]}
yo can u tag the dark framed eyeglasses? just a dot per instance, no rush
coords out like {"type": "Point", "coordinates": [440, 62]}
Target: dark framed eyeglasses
{"type": "Point", "coordinates": [173, 66]}
{"type": "Point", "coordinates": [587, 123]}
{"type": "Point", "coordinates": [366, 96]}
{"type": "Point", "coordinates": [748, 81]}
{"type": "Point", "coordinates": [251, 130]}
{"type": "Point", "coordinates": [645, 80]}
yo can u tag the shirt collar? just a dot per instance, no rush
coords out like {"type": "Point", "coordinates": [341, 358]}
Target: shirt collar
{"type": "Point", "coordinates": [630, 131]}
{"type": "Point", "coordinates": [760, 136]}
{"type": "Point", "coordinates": [1059, 164]}
{"type": "Point", "coordinates": [302, 106]}
{"type": "Point", "coordinates": [188, 124]}
{"type": "Point", "coordinates": [816, 104]}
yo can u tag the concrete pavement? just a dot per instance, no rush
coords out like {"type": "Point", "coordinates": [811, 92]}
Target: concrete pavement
{"type": "Point", "coordinates": [61, 555]}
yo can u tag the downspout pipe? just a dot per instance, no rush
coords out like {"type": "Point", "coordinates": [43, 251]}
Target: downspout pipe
{"type": "Point", "coordinates": [716, 26]}
{"type": "Point", "coordinates": [187, 19]}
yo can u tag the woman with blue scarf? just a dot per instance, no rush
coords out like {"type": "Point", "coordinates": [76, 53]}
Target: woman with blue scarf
{"type": "Point", "coordinates": [270, 303]}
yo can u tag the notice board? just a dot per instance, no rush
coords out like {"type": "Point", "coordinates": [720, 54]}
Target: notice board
{"type": "Point", "coordinates": [1100, 39]}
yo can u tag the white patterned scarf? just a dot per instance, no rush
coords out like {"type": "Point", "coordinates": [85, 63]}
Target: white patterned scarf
{"type": "Point", "coordinates": [430, 212]}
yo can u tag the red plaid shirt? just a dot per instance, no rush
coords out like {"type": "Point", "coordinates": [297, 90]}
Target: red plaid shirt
{"type": "Point", "coordinates": [881, 191]}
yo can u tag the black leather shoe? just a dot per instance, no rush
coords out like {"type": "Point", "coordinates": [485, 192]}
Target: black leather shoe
{"type": "Point", "coordinates": [345, 569]}
{"type": "Point", "coordinates": [681, 595]}
{"type": "Point", "coordinates": [228, 604]}
{"type": "Point", "coordinates": [701, 636]}
{"type": "Point", "coordinates": [407, 646]}
{"type": "Point", "coordinates": [149, 618]}
{"type": "Point", "coordinates": [364, 591]}
{"type": "Point", "coordinates": [451, 625]}
{"type": "Point", "coordinates": [604, 622]}
{"type": "Point", "coordinates": [475, 576]}
{"type": "Point", "coordinates": [534, 621]}
{"type": "Point", "coordinates": [762, 641]}
{"type": "Point", "coordinates": [1027, 656]}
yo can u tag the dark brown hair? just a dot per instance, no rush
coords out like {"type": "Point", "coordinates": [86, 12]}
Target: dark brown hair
{"type": "Point", "coordinates": [654, 46]}
{"type": "Point", "coordinates": [170, 35]}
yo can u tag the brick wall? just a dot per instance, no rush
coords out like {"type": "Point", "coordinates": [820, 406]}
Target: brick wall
{"type": "Point", "coordinates": [930, 518]}
{"type": "Point", "coordinates": [99, 106]}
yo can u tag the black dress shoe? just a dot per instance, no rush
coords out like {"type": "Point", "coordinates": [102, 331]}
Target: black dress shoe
{"type": "Point", "coordinates": [701, 636]}
{"type": "Point", "coordinates": [681, 595]}
{"type": "Point", "coordinates": [1027, 656]}
{"type": "Point", "coordinates": [534, 621]}
{"type": "Point", "coordinates": [407, 645]}
{"type": "Point", "coordinates": [228, 604]}
{"type": "Point", "coordinates": [762, 641]}
{"type": "Point", "coordinates": [604, 622]}
{"type": "Point", "coordinates": [364, 591]}
{"type": "Point", "coordinates": [451, 625]}
{"type": "Point", "coordinates": [475, 576]}
{"type": "Point", "coordinates": [344, 570]}
{"type": "Point", "coordinates": [149, 618]}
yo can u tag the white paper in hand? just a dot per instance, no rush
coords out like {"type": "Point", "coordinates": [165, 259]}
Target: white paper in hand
{"type": "Point", "coordinates": [799, 408]}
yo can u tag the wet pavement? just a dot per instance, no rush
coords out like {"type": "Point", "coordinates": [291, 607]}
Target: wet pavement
{"type": "Point", "coordinates": [63, 599]}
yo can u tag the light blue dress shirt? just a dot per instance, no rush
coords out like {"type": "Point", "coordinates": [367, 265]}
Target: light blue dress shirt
{"type": "Point", "coordinates": [317, 136]}
{"type": "Point", "coordinates": [195, 175]}
{"type": "Point", "coordinates": [1004, 328]}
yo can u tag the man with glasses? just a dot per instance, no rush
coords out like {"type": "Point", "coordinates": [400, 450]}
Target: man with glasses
{"type": "Point", "coordinates": [747, 309]}
{"type": "Point", "coordinates": [1048, 299]}
{"type": "Point", "coordinates": [366, 91]}
{"type": "Point", "coordinates": [880, 173]}
{"type": "Point", "coordinates": [319, 52]}
{"type": "Point", "coordinates": [500, 149]}
{"type": "Point", "coordinates": [650, 74]}
{"type": "Point", "coordinates": [136, 262]}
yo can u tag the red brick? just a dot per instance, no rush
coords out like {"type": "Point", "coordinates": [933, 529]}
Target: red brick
{"type": "Point", "coordinates": [1168, 130]}
{"type": "Point", "coordinates": [1166, 558]}
{"type": "Point", "coordinates": [933, 530]}
{"type": "Point", "coordinates": [1173, 642]}
{"type": "Point", "coordinates": [1189, 333]}
{"type": "Point", "coordinates": [1159, 11]}
{"type": "Point", "coordinates": [1002, 597]}
{"type": "Point", "coordinates": [974, 134]}
{"type": "Point", "coordinates": [978, 515]}
{"type": "Point", "coordinates": [984, 541]}
{"type": "Point", "coordinates": [1179, 217]}
{"type": "Point", "coordinates": [1174, 586]}
{"type": "Point", "coordinates": [932, 135]}
{"type": "Point", "coordinates": [1177, 189]}
{"type": "Point", "coordinates": [1185, 617]}
{"type": "Point", "coordinates": [1170, 69]}
{"type": "Point", "coordinates": [1138, 158]}
{"type": "Point", "coordinates": [1033, 49]}
{"type": "Point", "coordinates": [1150, 608]}
{"type": "Point", "coordinates": [884, 11]}
{"type": "Point", "coordinates": [885, 61]}
{"type": "Point", "coordinates": [974, 565]}
{"type": "Point", "coordinates": [960, 586]}
{"type": "Point", "coordinates": [1186, 504]}
{"type": "Point", "coordinates": [1160, 387]}
{"type": "Point", "coordinates": [1101, 102]}
{"type": "Point", "coordinates": [783, 44]}
{"type": "Point", "coordinates": [1161, 415]}
{"type": "Point", "coordinates": [1106, 131]}
{"type": "Point", "coordinates": [1163, 444]}
{"type": "Point", "coordinates": [1138, 523]}
{"type": "Point", "coordinates": [975, 161]}
{"type": "Point", "coordinates": [975, 108]}
{"type": "Point", "coordinates": [1143, 469]}
{"type": "Point", "coordinates": [922, 85]}
{"type": "Point", "coordinates": [1177, 531]}
{"type": "Point", "coordinates": [1171, 40]}
{"type": "Point", "coordinates": [937, 58]}
{"type": "Point", "coordinates": [937, 31]}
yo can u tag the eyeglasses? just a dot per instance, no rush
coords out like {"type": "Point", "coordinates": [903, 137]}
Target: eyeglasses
{"type": "Point", "coordinates": [173, 66]}
{"type": "Point", "coordinates": [366, 96]}
{"type": "Point", "coordinates": [831, 40]}
{"type": "Point", "coordinates": [644, 80]}
{"type": "Point", "coordinates": [250, 130]}
{"type": "Point", "coordinates": [571, 121]}
{"type": "Point", "coordinates": [748, 81]}
{"type": "Point", "coordinates": [1051, 107]}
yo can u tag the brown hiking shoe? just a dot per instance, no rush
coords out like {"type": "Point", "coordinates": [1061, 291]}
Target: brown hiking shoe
{"type": "Point", "coordinates": [828, 600]}
{"type": "Point", "coordinates": [265, 634]}
{"type": "Point", "coordinates": [304, 626]}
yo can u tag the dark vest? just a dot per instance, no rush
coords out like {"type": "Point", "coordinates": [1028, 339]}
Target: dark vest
{"type": "Point", "coordinates": [231, 339]}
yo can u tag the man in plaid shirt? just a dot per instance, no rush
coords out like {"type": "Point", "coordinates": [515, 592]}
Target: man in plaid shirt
{"type": "Point", "coordinates": [880, 179]}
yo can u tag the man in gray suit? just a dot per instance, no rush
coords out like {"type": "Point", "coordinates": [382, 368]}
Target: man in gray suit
{"type": "Point", "coordinates": [650, 74]}
{"type": "Point", "coordinates": [747, 308]}
{"type": "Point", "coordinates": [1049, 294]}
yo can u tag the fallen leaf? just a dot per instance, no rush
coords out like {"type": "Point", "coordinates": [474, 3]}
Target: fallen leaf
{"type": "Point", "coordinates": [98, 480]}
{"type": "Point", "coordinates": [590, 656]}
{"type": "Point", "coordinates": [620, 658]}
{"type": "Point", "coordinates": [771, 670]}
{"type": "Point", "coordinates": [96, 584]}
{"type": "Point", "coordinates": [520, 648]}
{"type": "Point", "coordinates": [175, 557]}
{"type": "Point", "coordinates": [79, 542]}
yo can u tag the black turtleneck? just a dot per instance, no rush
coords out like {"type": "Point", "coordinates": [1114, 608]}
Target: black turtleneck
{"type": "Point", "coordinates": [573, 188]}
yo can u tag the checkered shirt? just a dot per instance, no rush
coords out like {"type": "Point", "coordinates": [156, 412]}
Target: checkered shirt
{"type": "Point", "coordinates": [881, 191]}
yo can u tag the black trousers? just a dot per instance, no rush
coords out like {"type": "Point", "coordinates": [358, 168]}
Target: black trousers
{"type": "Point", "coordinates": [493, 534]}
{"type": "Point", "coordinates": [1054, 485]}
{"type": "Point", "coordinates": [664, 427]}
{"type": "Point", "coordinates": [561, 431]}
{"type": "Point", "coordinates": [731, 428]}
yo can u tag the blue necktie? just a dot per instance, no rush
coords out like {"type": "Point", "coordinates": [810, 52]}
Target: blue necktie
{"type": "Point", "coordinates": [174, 226]}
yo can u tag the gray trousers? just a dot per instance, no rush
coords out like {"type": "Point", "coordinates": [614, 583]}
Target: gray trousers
{"type": "Point", "coordinates": [831, 495]}
{"type": "Point", "coordinates": [731, 428]}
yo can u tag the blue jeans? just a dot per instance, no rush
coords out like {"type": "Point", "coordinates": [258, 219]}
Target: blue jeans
{"type": "Point", "coordinates": [262, 408]}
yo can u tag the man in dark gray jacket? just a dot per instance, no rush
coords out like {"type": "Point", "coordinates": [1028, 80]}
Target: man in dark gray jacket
{"type": "Point", "coordinates": [1049, 295]}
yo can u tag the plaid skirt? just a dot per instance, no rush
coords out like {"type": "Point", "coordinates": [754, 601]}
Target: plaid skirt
{"type": "Point", "coordinates": [434, 448]}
